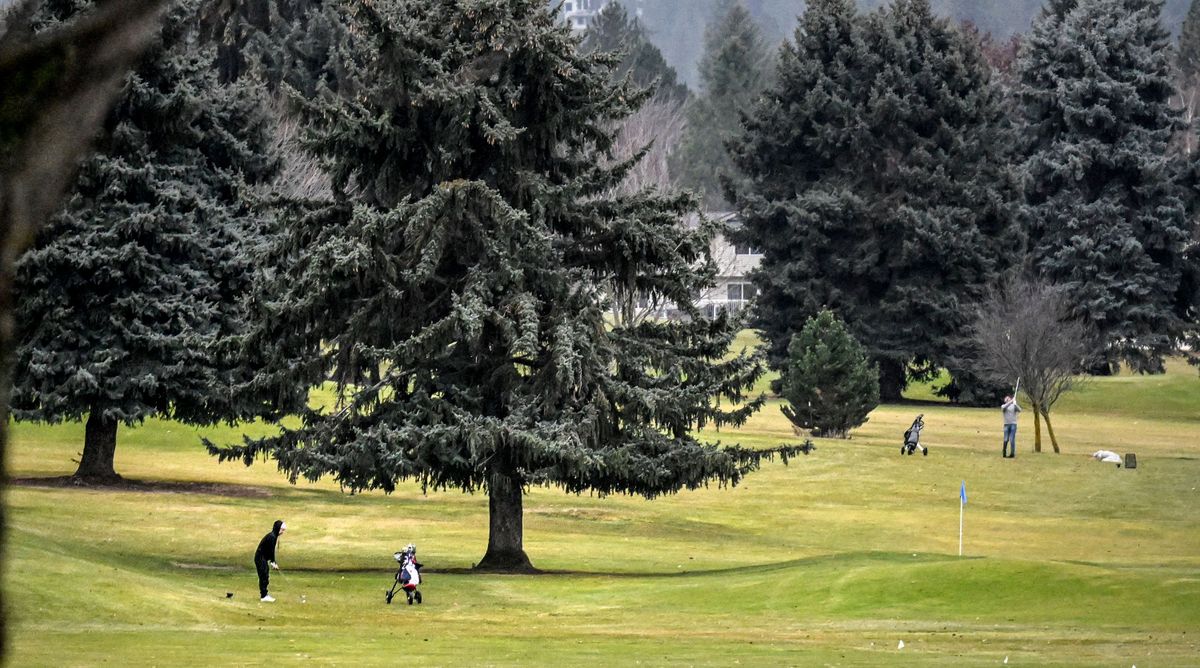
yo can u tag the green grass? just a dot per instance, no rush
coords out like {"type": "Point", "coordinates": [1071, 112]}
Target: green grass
{"type": "Point", "coordinates": [829, 561]}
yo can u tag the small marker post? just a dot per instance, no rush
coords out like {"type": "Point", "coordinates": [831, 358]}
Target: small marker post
{"type": "Point", "coordinates": [962, 503]}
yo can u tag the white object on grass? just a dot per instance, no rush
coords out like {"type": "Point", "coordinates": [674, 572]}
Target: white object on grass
{"type": "Point", "coordinates": [901, 645]}
{"type": "Point", "coordinates": [1106, 456]}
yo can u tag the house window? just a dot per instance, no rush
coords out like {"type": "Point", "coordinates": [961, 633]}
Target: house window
{"type": "Point", "coordinates": [745, 249]}
{"type": "Point", "coordinates": [742, 291]}
{"type": "Point", "coordinates": [567, 7]}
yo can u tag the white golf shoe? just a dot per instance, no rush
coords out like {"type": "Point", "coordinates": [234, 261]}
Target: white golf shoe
{"type": "Point", "coordinates": [267, 599]}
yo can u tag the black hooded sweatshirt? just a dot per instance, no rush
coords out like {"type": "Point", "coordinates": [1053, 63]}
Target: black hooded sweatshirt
{"type": "Point", "coordinates": [266, 547]}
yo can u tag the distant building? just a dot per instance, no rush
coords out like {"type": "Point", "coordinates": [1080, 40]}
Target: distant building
{"type": "Point", "coordinates": [579, 13]}
{"type": "Point", "coordinates": [733, 290]}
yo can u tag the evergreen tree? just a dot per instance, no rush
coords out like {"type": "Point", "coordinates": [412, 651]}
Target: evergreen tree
{"type": "Point", "coordinates": [1188, 54]}
{"type": "Point", "coordinates": [734, 71]}
{"type": "Point", "coordinates": [131, 293]}
{"type": "Point", "coordinates": [829, 384]}
{"type": "Point", "coordinates": [459, 273]}
{"type": "Point", "coordinates": [613, 31]}
{"type": "Point", "coordinates": [274, 38]}
{"type": "Point", "coordinates": [877, 184]}
{"type": "Point", "coordinates": [54, 105]}
{"type": "Point", "coordinates": [1104, 215]}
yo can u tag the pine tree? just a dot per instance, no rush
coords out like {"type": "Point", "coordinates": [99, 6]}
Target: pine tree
{"type": "Point", "coordinates": [273, 38]}
{"type": "Point", "coordinates": [734, 71]}
{"type": "Point", "coordinates": [614, 31]}
{"type": "Point", "coordinates": [1104, 215]}
{"type": "Point", "coordinates": [1187, 296]}
{"type": "Point", "coordinates": [54, 105]}
{"type": "Point", "coordinates": [877, 184]}
{"type": "Point", "coordinates": [456, 280]}
{"type": "Point", "coordinates": [829, 384]}
{"type": "Point", "coordinates": [131, 294]}
{"type": "Point", "coordinates": [1188, 55]}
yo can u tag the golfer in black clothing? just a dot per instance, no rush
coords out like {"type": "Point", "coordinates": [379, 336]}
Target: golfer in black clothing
{"type": "Point", "coordinates": [264, 557]}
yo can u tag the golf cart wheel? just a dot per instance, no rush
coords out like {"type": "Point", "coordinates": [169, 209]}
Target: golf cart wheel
{"type": "Point", "coordinates": [417, 595]}
{"type": "Point", "coordinates": [902, 449]}
{"type": "Point", "coordinates": [925, 452]}
{"type": "Point", "coordinates": [389, 597]}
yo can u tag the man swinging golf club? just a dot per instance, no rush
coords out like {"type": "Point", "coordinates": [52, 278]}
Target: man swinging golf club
{"type": "Point", "coordinates": [264, 557]}
{"type": "Point", "coordinates": [1009, 410]}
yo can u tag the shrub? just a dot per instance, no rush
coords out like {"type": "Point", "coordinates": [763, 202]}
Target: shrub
{"type": "Point", "coordinates": [829, 384]}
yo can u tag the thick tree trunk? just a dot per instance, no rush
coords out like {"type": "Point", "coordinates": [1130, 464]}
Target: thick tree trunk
{"type": "Point", "coordinates": [505, 551]}
{"type": "Point", "coordinates": [99, 446]}
{"type": "Point", "coordinates": [1037, 431]}
{"type": "Point", "coordinates": [893, 378]}
{"type": "Point", "coordinates": [1050, 430]}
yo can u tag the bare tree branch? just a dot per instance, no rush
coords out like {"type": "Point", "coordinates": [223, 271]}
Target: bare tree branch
{"type": "Point", "coordinates": [653, 129]}
{"type": "Point", "coordinates": [302, 176]}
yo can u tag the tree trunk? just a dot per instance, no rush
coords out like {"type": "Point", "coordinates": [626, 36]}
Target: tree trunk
{"type": "Point", "coordinates": [892, 380]}
{"type": "Point", "coordinates": [1050, 430]}
{"type": "Point", "coordinates": [99, 445]}
{"type": "Point", "coordinates": [505, 552]}
{"type": "Point", "coordinates": [1037, 431]}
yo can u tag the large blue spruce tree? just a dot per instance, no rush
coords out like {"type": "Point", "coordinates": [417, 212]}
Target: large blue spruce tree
{"type": "Point", "coordinates": [1104, 213]}
{"type": "Point", "coordinates": [455, 283]}
{"type": "Point", "coordinates": [878, 184]}
{"type": "Point", "coordinates": [132, 295]}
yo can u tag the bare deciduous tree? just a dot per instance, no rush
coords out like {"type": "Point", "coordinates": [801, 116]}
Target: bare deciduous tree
{"type": "Point", "coordinates": [1187, 80]}
{"type": "Point", "coordinates": [655, 128]}
{"type": "Point", "coordinates": [302, 176]}
{"type": "Point", "coordinates": [654, 131]}
{"type": "Point", "coordinates": [1024, 331]}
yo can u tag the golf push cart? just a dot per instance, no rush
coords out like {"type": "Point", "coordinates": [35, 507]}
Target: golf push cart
{"type": "Point", "coordinates": [408, 576]}
{"type": "Point", "coordinates": [912, 438]}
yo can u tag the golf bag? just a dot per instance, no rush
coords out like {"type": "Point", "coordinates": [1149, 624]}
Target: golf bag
{"type": "Point", "coordinates": [408, 576]}
{"type": "Point", "coordinates": [912, 437]}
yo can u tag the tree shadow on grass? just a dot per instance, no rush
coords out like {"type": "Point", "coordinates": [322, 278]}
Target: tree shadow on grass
{"type": "Point", "coordinates": [840, 558]}
{"type": "Point", "coordinates": [146, 486]}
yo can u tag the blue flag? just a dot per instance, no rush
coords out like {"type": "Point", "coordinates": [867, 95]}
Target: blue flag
{"type": "Point", "coordinates": [962, 493]}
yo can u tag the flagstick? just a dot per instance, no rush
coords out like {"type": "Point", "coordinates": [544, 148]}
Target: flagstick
{"type": "Point", "coordinates": [960, 520]}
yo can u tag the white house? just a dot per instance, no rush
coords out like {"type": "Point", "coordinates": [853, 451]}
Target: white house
{"type": "Point", "coordinates": [579, 13]}
{"type": "Point", "coordinates": [734, 262]}
{"type": "Point", "coordinates": [732, 289]}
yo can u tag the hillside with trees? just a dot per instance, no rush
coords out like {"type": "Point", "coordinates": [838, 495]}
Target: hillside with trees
{"type": "Point", "coordinates": [677, 26]}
